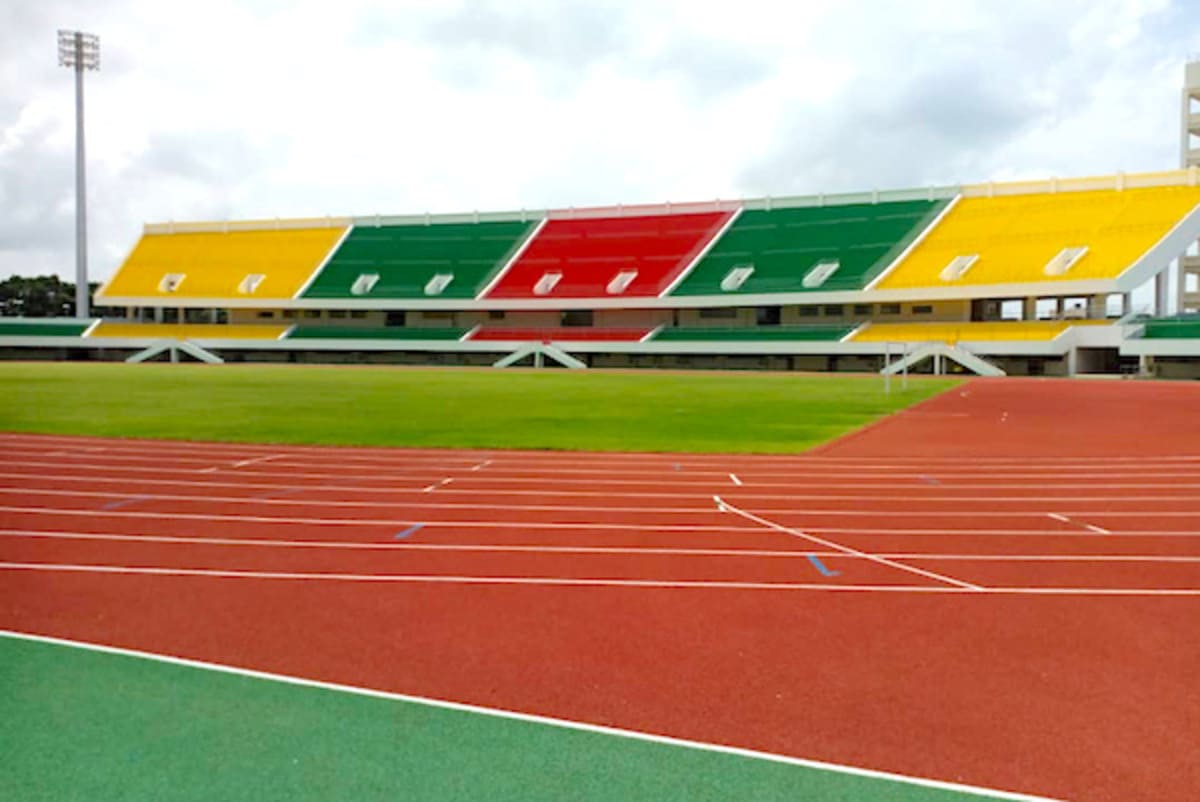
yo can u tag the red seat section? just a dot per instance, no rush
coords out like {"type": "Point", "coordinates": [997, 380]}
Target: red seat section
{"type": "Point", "coordinates": [561, 334]}
{"type": "Point", "coordinates": [608, 257]}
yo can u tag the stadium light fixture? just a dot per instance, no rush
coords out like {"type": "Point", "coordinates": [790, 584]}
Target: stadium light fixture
{"type": "Point", "coordinates": [79, 51]}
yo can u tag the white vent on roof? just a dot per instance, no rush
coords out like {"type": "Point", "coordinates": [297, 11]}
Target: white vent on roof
{"type": "Point", "coordinates": [820, 273]}
{"type": "Point", "coordinates": [438, 283]}
{"type": "Point", "coordinates": [621, 282]}
{"type": "Point", "coordinates": [958, 267]}
{"type": "Point", "coordinates": [546, 283]}
{"type": "Point", "coordinates": [250, 283]}
{"type": "Point", "coordinates": [364, 283]}
{"type": "Point", "coordinates": [1064, 260]}
{"type": "Point", "coordinates": [171, 281]}
{"type": "Point", "coordinates": [736, 277]}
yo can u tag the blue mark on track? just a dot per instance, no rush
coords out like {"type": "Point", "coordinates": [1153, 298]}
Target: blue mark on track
{"type": "Point", "coordinates": [113, 505]}
{"type": "Point", "coordinates": [820, 566]}
{"type": "Point", "coordinates": [412, 530]}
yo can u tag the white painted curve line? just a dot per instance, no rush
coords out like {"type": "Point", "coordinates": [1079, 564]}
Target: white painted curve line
{"type": "Point", "coordinates": [481, 465]}
{"type": "Point", "coordinates": [1099, 530]}
{"type": "Point", "coordinates": [425, 701]}
{"type": "Point", "coordinates": [436, 485]}
{"type": "Point", "coordinates": [734, 478]}
{"type": "Point", "coordinates": [724, 506]}
{"type": "Point", "coordinates": [1058, 517]}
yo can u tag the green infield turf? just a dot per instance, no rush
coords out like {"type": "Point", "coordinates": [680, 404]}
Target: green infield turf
{"type": "Point", "coordinates": [552, 409]}
{"type": "Point", "coordinates": [84, 725]}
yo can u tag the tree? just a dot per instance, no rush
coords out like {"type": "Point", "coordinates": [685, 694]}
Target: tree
{"type": "Point", "coordinates": [41, 296]}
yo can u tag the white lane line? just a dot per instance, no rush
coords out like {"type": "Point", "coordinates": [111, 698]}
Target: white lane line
{"type": "Point", "coordinates": [702, 491]}
{"type": "Point", "coordinates": [1090, 527]}
{"type": "Point", "coordinates": [401, 454]}
{"type": "Point", "coordinates": [336, 545]}
{"type": "Point", "coordinates": [552, 472]}
{"type": "Point", "coordinates": [725, 506]}
{"type": "Point", "coordinates": [481, 465]}
{"type": "Point", "coordinates": [656, 510]}
{"type": "Point", "coordinates": [532, 719]}
{"type": "Point", "coordinates": [278, 519]}
{"type": "Point", "coordinates": [454, 579]}
{"type": "Point", "coordinates": [257, 460]}
{"type": "Point", "coordinates": [734, 478]}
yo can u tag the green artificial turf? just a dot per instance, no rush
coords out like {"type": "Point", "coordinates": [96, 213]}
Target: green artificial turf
{"type": "Point", "coordinates": [554, 409]}
{"type": "Point", "coordinates": [91, 726]}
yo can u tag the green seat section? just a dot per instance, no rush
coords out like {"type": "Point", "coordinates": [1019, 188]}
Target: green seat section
{"type": "Point", "coordinates": [373, 333]}
{"type": "Point", "coordinates": [48, 328]}
{"type": "Point", "coordinates": [1176, 328]}
{"type": "Point", "coordinates": [785, 245]}
{"type": "Point", "coordinates": [406, 258]}
{"type": "Point", "coordinates": [750, 334]}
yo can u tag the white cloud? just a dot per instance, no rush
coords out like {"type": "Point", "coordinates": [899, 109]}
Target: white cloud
{"type": "Point", "coordinates": [258, 109]}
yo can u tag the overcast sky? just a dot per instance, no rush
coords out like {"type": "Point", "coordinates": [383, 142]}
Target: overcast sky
{"type": "Point", "coordinates": [263, 108]}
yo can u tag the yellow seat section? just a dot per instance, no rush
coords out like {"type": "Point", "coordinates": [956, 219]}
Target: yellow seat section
{"type": "Point", "coordinates": [1016, 236]}
{"type": "Point", "coordinates": [959, 331]}
{"type": "Point", "coordinates": [216, 264]}
{"type": "Point", "coordinates": [189, 331]}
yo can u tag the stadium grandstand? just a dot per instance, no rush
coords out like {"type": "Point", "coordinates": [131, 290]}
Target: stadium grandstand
{"type": "Point", "coordinates": [1020, 278]}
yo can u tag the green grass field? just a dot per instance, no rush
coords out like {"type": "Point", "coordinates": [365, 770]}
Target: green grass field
{"type": "Point", "coordinates": [481, 408]}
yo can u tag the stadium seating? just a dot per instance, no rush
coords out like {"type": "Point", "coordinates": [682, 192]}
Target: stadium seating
{"type": "Point", "coordinates": [254, 264]}
{"type": "Point", "coordinates": [1048, 237]}
{"type": "Point", "coordinates": [42, 327]}
{"type": "Point", "coordinates": [607, 257]}
{"type": "Point", "coordinates": [754, 334]}
{"type": "Point", "coordinates": [785, 249]}
{"type": "Point", "coordinates": [374, 333]}
{"type": "Point", "coordinates": [560, 334]}
{"type": "Point", "coordinates": [446, 260]}
{"type": "Point", "coordinates": [187, 331]}
{"type": "Point", "coordinates": [1185, 327]}
{"type": "Point", "coordinates": [953, 332]}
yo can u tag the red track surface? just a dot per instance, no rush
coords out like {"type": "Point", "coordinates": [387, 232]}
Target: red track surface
{"type": "Point", "coordinates": [1073, 504]}
{"type": "Point", "coordinates": [591, 252]}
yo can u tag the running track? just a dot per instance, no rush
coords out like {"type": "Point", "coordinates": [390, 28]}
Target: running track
{"type": "Point", "coordinates": [1000, 586]}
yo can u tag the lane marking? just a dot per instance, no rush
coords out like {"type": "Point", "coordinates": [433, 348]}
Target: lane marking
{"type": "Point", "coordinates": [453, 579]}
{"type": "Point", "coordinates": [735, 479]}
{"type": "Point", "coordinates": [529, 718]}
{"type": "Point", "coordinates": [288, 543]}
{"type": "Point", "coordinates": [703, 490]}
{"type": "Point", "coordinates": [140, 446]}
{"type": "Point", "coordinates": [812, 558]}
{"type": "Point", "coordinates": [482, 465]}
{"type": "Point", "coordinates": [591, 508]}
{"type": "Point", "coordinates": [412, 530]}
{"type": "Point", "coordinates": [256, 460]}
{"type": "Point", "coordinates": [725, 506]}
{"type": "Point", "coordinates": [124, 502]}
{"type": "Point", "coordinates": [1090, 527]}
{"type": "Point", "coordinates": [929, 480]}
{"type": "Point", "coordinates": [582, 526]}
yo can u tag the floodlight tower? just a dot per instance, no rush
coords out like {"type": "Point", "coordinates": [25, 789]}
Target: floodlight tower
{"type": "Point", "coordinates": [79, 51]}
{"type": "Point", "coordinates": [1189, 157]}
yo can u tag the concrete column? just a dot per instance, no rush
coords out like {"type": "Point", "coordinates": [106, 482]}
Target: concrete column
{"type": "Point", "coordinates": [1029, 309]}
{"type": "Point", "coordinates": [1162, 284]}
{"type": "Point", "coordinates": [1126, 303]}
